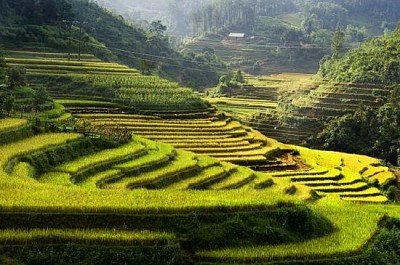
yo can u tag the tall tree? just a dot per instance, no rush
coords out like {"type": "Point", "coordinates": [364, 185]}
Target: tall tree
{"type": "Point", "coordinates": [337, 43]}
{"type": "Point", "coordinates": [3, 69]}
{"type": "Point", "coordinates": [16, 76]}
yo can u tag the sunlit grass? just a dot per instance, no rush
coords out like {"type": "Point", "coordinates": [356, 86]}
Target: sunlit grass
{"type": "Point", "coordinates": [9, 124]}
{"type": "Point", "coordinates": [35, 143]}
{"type": "Point", "coordinates": [355, 225]}
{"type": "Point", "coordinates": [92, 236]}
{"type": "Point", "coordinates": [104, 156]}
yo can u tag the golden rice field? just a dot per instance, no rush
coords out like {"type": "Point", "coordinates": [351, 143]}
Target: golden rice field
{"type": "Point", "coordinates": [178, 168]}
{"type": "Point", "coordinates": [174, 181]}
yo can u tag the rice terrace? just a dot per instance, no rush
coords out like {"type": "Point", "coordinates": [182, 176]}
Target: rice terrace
{"type": "Point", "coordinates": [104, 160]}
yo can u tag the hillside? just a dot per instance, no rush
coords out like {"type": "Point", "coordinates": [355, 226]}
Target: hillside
{"type": "Point", "coordinates": [285, 36]}
{"type": "Point", "coordinates": [147, 197]}
{"type": "Point", "coordinates": [374, 62]}
{"type": "Point", "coordinates": [77, 25]}
{"type": "Point", "coordinates": [351, 105]}
{"type": "Point", "coordinates": [102, 163]}
{"type": "Point", "coordinates": [81, 185]}
{"type": "Point", "coordinates": [67, 76]}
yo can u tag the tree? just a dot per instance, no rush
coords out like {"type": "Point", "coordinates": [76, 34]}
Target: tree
{"type": "Point", "coordinates": [50, 11]}
{"type": "Point", "coordinates": [2, 67]}
{"type": "Point", "coordinates": [8, 103]}
{"type": "Point", "coordinates": [157, 28]}
{"type": "Point", "coordinates": [16, 76]}
{"type": "Point", "coordinates": [145, 67]}
{"type": "Point", "coordinates": [40, 97]}
{"type": "Point", "coordinates": [238, 77]}
{"type": "Point", "coordinates": [368, 131]}
{"type": "Point", "coordinates": [337, 43]}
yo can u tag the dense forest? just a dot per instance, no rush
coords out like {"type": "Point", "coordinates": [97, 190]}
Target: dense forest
{"type": "Point", "coordinates": [74, 25]}
{"type": "Point", "coordinates": [376, 62]}
{"type": "Point", "coordinates": [368, 131]}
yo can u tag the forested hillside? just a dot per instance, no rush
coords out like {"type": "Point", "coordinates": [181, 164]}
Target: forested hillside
{"type": "Point", "coordinates": [191, 17]}
{"type": "Point", "coordinates": [377, 61]}
{"type": "Point", "coordinates": [288, 35]}
{"type": "Point", "coordinates": [367, 131]}
{"type": "Point", "coordinates": [80, 25]}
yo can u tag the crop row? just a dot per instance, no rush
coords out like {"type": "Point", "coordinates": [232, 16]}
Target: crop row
{"type": "Point", "coordinates": [11, 124]}
{"type": "Point", "coordinates": [85, 103]}
{"type": "Point", "coordinates": [105, 158]}
{"type": "Point", "coordinates": [183, 161]}
{"type": "Point", "coordinates": [128, 81]}
{"type": "Point", "coordinates": [74, 68]}
{"type": "Point", "coordinates": [343, 178]}
{"type": "Point", "coordinates": [239, 177]}
{"type": "Point", "coordinates": [84, 237]}
{"type": "Point", "coordinates": [29, 145]}
{"type": "Point", "coordinates": [158, 123]}
{"type": "Point", "coordinates": [48, 55]}
{"type": "Point", "coordinates": [55, 62]}
{"type": "Point", "coordinates": [49, 73]}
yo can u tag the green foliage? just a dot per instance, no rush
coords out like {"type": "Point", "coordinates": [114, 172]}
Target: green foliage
{"type": "Point", "coordinates": [14, 133]}
{"type": "Point", "coordinates": [337, 43]}
{"type": "Point", "coordinates": [114, 136]}
{"type": "Point", "coordinates": [367, 131]}
{"type": "Point", "coordinates": [16, 76]}
{"type": "Point", "coordinates": [376, 61]}
{"type": "Point", "coordinates": [287, 224]}
{"type": "Point", "coordinates": [67, 254]}
{"type": "Point", "coordinates": [8, 103]}
{"type": "Point", "coordinates": [40, 97]}
{"type": "Point", "coordinates": [3, 70]}
{"type": "Point", "coordinates": [238, 77]}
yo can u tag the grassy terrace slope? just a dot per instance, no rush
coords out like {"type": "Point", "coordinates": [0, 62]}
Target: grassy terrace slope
{"type": "Point", "coordinates": [228, 140]}
{"type": "Point", "coordinates": [147, 197]}
{"type": "Point", "coordinates": [90, 78]}
{"type": "Point", "coordinates": [254, 55]}
{"type": "Point", "coordinates": [222, 138]}
{"type": "Point", "coordinates": [300, 103]}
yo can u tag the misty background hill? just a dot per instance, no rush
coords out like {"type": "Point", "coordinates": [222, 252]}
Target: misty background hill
{"type": "Point", "coordinates": [180, 15]}
{"type": "Point", "coordinates": [280, 36]}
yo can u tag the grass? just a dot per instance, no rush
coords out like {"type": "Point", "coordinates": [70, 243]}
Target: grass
{"type": "Point", "coordinates": [86, 237]}
{"type": "Point", "coordinates": [30, 197]}
{"type": "Point", "coordinates": [162, 152]}
{"type": "Point", "coordinates": [106, 156]}
{"type": "Point", "coordinates": [351, 234]}
{"type": "Point", "coordinates": [238, 177]}
{"type": "Point", "coordinates": [11, 124]}
{"type": "Point", "coordinates": [204, 176]}
{"type": "Point", "coordinates": [84, 103]}
{"type": "Point", "coordinates": [92, 182]}
{"type": "Point", "coordinates": [182, 162]}
{"type": "Point", "coordinates": [384, 177]}
{"type": "Point", "coordinates": [35, 143]}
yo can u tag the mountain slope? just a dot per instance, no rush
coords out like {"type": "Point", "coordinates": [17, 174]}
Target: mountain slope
{"type": "Point", "coordinates": [377, 61]}
{"type": "Point", "coordinates": [73, 25]}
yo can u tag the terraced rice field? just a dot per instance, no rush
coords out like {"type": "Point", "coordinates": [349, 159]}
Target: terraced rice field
{"type": "Point", "coordinates": [222, 138]}
{"type": "Point", "coordinates": [58, 64]}
{"type": "Point", "coordinates": [228, 140]}
{"type": "Point", "coordinates": [150, 179]}
{"type": "Point", "coordinates": [303, 103]}
{"type": "Point", "coordinates": [65, 197]}
{"type": "Point", "coordinates": [92, 79]}
{"type": "Point", "coordinates": [249, 53]}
